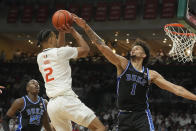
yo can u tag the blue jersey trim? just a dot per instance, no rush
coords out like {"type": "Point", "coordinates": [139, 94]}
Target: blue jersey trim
{"type": "Point", "coordinates": [32, 101]}
{"type": "Point", "coordinates": [147, 98]}
{"type": "Point", "coordinates": [43, 103]}
{"type": "Point", "coordinates": [137, 70]}
{"type": "Point", "coordinates": [124, 70]}
{"type": "Point", "coordinates": [24, 104]}
{"type": "Point", "coordinates": [148, 74]}
{"type": "Point", "coordinates": [118, 121]}
{"type": "Point", "coordinates": [20, 123]}
{"type": "Point", "coordinates": [118, 82]}
{"type": "Point", "coordinates": [150, 121]}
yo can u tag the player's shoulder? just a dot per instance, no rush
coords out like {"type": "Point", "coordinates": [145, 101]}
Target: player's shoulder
{"type": "Point", "coordinates": [45, 101]}
{"type": "Point", "coordinates": [66, 47]}
{"type": "Point", "coordinates": [154, 74]}
{"type": "Point", "coordinates": [124, 62]}
{"type": "Point", "coordinates": [49, 51]}
{"type": "Point", "coordinates": [19, 101]}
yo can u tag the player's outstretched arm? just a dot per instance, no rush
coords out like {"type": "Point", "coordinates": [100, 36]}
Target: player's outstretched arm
{"type": "Point", "coordinates": [107, 51]}
{"type": "Point", "coordinates": [17, 106]}
{"type": "Point", "coordinates": [83, 48]}
{"type": "Point", "coordinates": [61, 39]}
{"type": "Point", "coordinates": [61, 36]}
{"type": "Point", "coordinates": [157, 79]}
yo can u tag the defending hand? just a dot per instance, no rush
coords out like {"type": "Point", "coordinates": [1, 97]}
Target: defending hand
{"type": "Point", "coordinates": [79, 21]}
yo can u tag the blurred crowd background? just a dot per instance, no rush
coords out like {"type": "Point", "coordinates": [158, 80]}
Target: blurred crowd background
{"type": "Point", "coordinates": [95, 83]}
{"type": "Point", "coordinates": [119, 23]}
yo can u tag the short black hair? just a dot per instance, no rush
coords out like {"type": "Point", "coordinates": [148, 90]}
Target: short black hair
{"type": "Point", "coordinates": [146, 50]}
{"type": "Point", "coordinates": [28, 81]}
{"type": "Point", "coordinates": [43, 35]}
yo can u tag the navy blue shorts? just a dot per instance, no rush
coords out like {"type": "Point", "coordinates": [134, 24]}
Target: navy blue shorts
{"type": "Point", "coordinates": [135, 121]}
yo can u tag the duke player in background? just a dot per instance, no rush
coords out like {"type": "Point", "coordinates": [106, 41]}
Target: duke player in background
{"type": "Point", "coordinates": [64, 105]}
{"type": "Point", "coordinates": [31, 109]}
{"type": "Point", "coordinates": [133, 83]}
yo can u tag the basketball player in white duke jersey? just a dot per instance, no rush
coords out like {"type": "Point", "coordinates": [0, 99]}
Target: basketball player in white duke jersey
{"type": "Point", "coordinates": [64, 105]}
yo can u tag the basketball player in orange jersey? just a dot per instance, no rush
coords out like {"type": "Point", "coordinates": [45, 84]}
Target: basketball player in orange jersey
{"type": "Point", "coordinates": [64, 105]}
{"type": "Point", "coordinates": [133, 83]}
{"type": "Point", "coordinates": [1, 87]}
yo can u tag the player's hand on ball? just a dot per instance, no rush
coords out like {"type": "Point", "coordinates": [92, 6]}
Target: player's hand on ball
{"type": "Point", "coordinates": [79, 21]}
{"type": "Point", "coordinates": [65, 29]}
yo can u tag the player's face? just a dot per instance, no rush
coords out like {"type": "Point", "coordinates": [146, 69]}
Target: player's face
{"type": "Point", "coordinates": [137, 51]}
{"type": "Point", "coordinates": [33, 87]}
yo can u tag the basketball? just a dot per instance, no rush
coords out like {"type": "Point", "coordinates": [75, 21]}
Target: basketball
{"type": "Point", "coordinates": [61, 17]}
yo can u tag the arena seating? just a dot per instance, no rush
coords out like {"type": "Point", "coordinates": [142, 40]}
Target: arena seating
{"type": "Point", "coordinates": [86, 11]}
{"type": "Point", "coordinates": [130, 10]}
{"type": "Point", "coordinates": [115, 11]}
{"type": "Point", "coordinates": [13, 14]}
{"type": "Point", "coordinates": [168, 9]}
{"type": "Point", "coordinates": [150, 9]}
{"type": "Point", "coordinates": [100, 11]}
{"type": "Point", "coordinates": [42, 13]}
{"type": "Point", "coordinates": [27, 15]}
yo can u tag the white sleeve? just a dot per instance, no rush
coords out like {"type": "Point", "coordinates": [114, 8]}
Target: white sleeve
{"type": "Point", "coordinates": [67, 52]}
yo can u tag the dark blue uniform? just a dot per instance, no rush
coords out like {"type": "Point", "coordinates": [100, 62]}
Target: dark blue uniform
{"type": "Point", "coordinates": [30, 117]}
{"type": "Point", "coordinates": [132, 93]}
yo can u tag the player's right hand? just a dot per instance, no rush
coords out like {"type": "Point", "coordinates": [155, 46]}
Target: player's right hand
{"type": "Point", "coordinates": [79, 21]}
{"type": "Point", "coordinates": [65, 29]}
{"type": "Point", "coordinates": [2, 87]}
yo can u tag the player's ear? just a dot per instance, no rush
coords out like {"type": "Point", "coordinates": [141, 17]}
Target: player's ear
{"type": "Point", "coordinates": [49, 39]}
{"type": "Point", "coordinates": [27, 88]}
{"type": "Point", "coordinates": [143, 55]}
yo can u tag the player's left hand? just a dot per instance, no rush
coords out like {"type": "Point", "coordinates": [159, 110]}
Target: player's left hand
{"type": "Point", "coordinates": [65, 29]}
{"type": "Point", "coordinates": [2, 87]}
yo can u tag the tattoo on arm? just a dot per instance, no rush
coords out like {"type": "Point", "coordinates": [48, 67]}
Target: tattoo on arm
{"type": "Point", "coordinates": [93, 36]}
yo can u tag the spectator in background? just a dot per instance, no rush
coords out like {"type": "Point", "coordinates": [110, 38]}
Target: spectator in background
{"type": "Point", "coordinates": [2, 56]}
{"type": "Point", "coordinates": [17, 55]}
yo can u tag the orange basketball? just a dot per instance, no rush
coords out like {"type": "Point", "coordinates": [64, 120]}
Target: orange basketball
{"type": "Point", "coordinates": [62, 17]}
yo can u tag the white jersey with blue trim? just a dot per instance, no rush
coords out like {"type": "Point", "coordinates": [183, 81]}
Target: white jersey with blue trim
{"type": "Point", "coordinates": [56, 71]}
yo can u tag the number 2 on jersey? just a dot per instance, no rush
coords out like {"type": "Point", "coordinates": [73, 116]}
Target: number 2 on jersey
{"type": "Point", "coordinates": [133, 88]}
{"type": "Point", "coordinates": [50, 70]}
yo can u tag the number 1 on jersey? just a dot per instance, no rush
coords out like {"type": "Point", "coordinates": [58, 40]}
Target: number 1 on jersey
{"type": "Point", "coordinates": [133, 88]}
{"type": "Point", "coordinates": [49, 73]}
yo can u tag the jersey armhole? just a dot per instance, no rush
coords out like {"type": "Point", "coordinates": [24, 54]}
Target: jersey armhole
{"type": "Point", "coordinates": [43, 103]}
{"type": "Point", "coordinates": [148, 76]}
{"type": "Point", "coordinates": [24, 104]}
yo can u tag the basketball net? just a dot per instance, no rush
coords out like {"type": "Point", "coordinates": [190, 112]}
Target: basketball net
{"type": "Point", "coordinates": [183, 42]}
